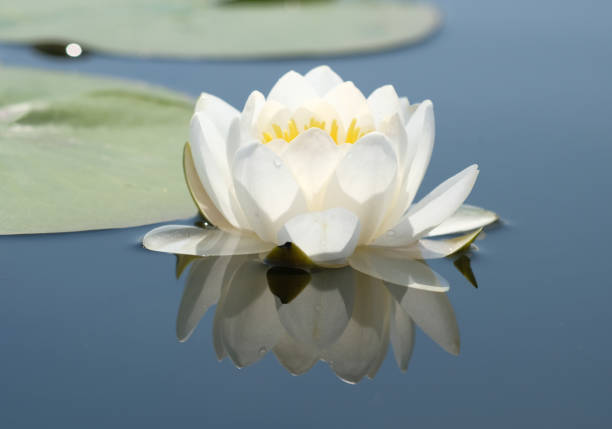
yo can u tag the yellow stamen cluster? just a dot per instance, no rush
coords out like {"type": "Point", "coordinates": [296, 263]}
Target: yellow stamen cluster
{"type": "Point", "coordinates": [353, 134]}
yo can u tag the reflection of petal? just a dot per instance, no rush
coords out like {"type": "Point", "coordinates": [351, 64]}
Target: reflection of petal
{"type": "Point", "coordinates": [432, 312]}
{"type": "Point", "coordinates": [190, 240]}
{"type": "Point", "coordinates": [298, 358]}
{"type": "Point", "coordinates": [402, 335]}
{"type": "Point", "coordinates": [414, 274]}
{"type": "Point", "coordinates": [202, 290]}
{"type": "Point", "coordinates": [246, 319]}
{"type": "Point", "coordinates": [319, 315]}
{"type": "Point", "coordinates": [357, 352]}
{"type": "Point", "coordinates": [466, 218]}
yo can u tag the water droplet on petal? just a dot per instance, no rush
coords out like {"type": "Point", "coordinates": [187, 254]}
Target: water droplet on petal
{"type": "Point", "coordinates": [277, 163]}
{"type": "Point", "coordinates": [262, 351]}
{"type": "Point", "coordinates": [391, 233]}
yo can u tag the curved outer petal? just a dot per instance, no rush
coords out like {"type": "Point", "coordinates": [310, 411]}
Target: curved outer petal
{"type": "Point", "coordinates": [266, 189]}
{"type": "Point", "coordinates": [406, 108]}
{"type": "Point", "coordinates": [321, 312]}
{"type": "Point", "coordinates": [312, 157]}
{"type": "Point", "coordinates": [432, 210]}
{"type": "Point", "coordinates": [292, 90]}
{"type": "Point", "coordinates": [383, 103]}
{"type": "Point", "coordinates": [396, 133]}
{"type": "Point", "coordinates": [430, 249]}
{"type": "Point", "coordinates": [350, 103]}
{"type": "Point", "coordinates": [191, 240]}
{"type": "Point", "coordinates": [327, 237]}
{"type": "Point", "coordinates": [248, 117]}
{"type": "Point", "coordinates": [296, 357]}
{"type": "Point", "coordinates": [210, 158]}
{"type": "Point", "coordinates": [218, 111]}
{"type": "Point", "coordinates": [202, 291]}
{"type": "Point", "coordinates": [357, 352]}
{"type": "Point", "coordinates": [364, 182]}
{"type": "Point", "coordinates": [246, 320]}
{"type": "Point", "coordinates": [401, 333]}
{"type": "Point", "coordinates": [323, 79]}
{"type": "Point", "coordinates": [200, 196]}
{"type": "Point", "coordinates": [421, 132]}
{"type": "Point", "coordinates": [381, 265]}
{"type": "Point", "coordinates": [432, 312]}
{"type": "Point", "coordinates": [466, 218]}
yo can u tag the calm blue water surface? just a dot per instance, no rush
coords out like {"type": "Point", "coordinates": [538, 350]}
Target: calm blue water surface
{"type": "Point", "coordinates": [87, 320]}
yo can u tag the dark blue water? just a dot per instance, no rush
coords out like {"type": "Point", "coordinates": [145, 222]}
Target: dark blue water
{"type": "Point", "coordinates": [87, 320]}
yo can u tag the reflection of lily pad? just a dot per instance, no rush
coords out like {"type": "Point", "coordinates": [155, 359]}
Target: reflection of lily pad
{"type": "Point", "coordinates": [196, 28]}
{"type": "Point", "coordinates": [81, 153]}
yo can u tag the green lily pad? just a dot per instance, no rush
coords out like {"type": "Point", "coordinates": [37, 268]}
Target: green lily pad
{"type": "Point", "coordinates": [80, 153]}
{"type": "Point", "coordinates": [231, 29]}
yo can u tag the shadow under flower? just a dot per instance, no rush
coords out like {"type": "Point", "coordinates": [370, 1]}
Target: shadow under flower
{"type": "Point", "coordinates": [342, 317]}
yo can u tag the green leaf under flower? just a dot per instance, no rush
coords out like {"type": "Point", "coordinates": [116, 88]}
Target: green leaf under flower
{"type": "Point", "coordinates": [81, 153]}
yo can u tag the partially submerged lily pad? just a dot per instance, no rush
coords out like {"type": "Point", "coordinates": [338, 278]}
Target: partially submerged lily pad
{"type": "Point", "coordinates": [208, 28]}
{"type": "Point", "coordinates": [80, 153]}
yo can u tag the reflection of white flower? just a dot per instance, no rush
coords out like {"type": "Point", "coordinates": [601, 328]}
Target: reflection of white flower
{"type": "Point", "coordinates": [341, 317]}
{"type": "Point", "coordinates": [319, 165]}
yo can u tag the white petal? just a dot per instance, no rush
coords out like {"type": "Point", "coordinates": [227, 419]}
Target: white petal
{"type": "Point", "coordinates": [364, 182]}
{"type": "Point", "coordinates": [432, 312]}
{"type": "Point", "coordinates": [292, 90]}
{"type": "Point", "coordinates": [210, 158]}
{"type": "Point", "coordinates": [247, 321]}
{"type": "Point", "coordinates": [380, 264]}
{"type": "Point", "coordinates": [384, 103]}
{"type": "Point", "coordinates": [406, 109]}
{"type": "Point", "coordinates": [421, 132]}
{"type": "Point", "coordinates": [395, 131]}
{"type": "Point", "coordinates": [272, 112]}
{"type": "Point", "coordinates": [323, 79]}
{"type": "Point", "coordinates": [266, 189]}
{"type": "Point", "coordinates": [357, 352]}
{"type": "Point", "coordinates": [402, 335]}
{"type": "Point", "coordinates": [466, 218]}
{"type": "Point", "coordinates": [312, 157]}
{"type": "Point", "coordinates": [320, 313]}
{"type": "Point", "coordinates": [296, 357]}
{"type": "Point", "coordinates": [432, 210]}
{"type": "Point", "coordinates": [250, 113]}
{"type": "Point", "coordinates": [218, 111]}
{"type": "Point", "coordinates": [350, 104]}
{"type": "Point", "coordinates": [202, 290]}
{"type": "Point", "coordinates": [327, 237]}
{"type": "Point", "coordinates": [200, 195]}
{"type": "Point", "coordinates": [191, 240]}
{"type": "Point", "coordinates": [431, 249]}
{"type": "Point", "coordinates": [278, 146]}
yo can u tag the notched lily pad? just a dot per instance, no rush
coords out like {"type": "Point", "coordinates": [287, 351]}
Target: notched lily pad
{"type": "Point", "coordinates": [220, 29]}
{"type": "Point", "coordinates": [79, 153]}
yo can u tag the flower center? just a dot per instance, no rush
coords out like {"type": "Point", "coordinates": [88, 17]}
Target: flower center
{"type": "Point", "coordinates": [292, 130]}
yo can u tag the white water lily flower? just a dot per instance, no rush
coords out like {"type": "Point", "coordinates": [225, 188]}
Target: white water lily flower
{"type": "Point", "coordinates": [318, 164]}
